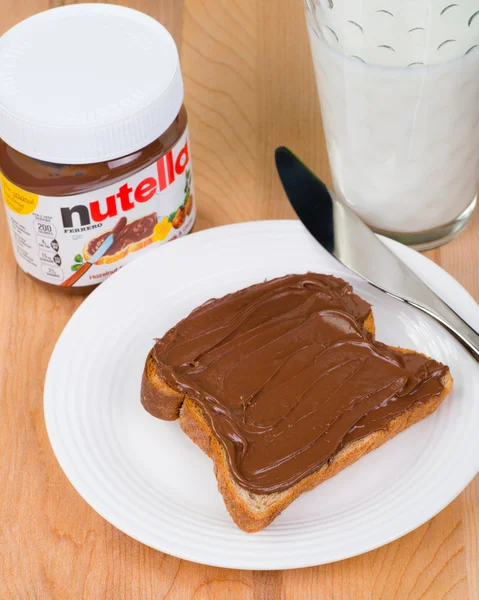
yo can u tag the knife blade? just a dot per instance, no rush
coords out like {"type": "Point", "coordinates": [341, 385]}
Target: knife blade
{"type": "Point", "coordinates": [106, 245]}
{"type": "Point", "coordinates": [344, 235]}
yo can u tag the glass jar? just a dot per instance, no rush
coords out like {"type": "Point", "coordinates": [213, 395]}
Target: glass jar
{"type": "Point", "coordinates": [90, 180]}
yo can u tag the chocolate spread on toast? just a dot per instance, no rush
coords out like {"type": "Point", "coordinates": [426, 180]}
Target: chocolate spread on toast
{"type": "Point", "coordinates": [127, 234]}
{"type": "Point", "coordinates": [286, 375]}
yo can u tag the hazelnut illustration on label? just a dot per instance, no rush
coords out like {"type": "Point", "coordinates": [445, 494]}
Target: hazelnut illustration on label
{"type": "Point", "coordinates": [177, 218]}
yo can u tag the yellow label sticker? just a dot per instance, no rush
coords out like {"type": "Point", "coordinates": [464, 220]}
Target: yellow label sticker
{"type": "Point", "coordinates": [18, 200]}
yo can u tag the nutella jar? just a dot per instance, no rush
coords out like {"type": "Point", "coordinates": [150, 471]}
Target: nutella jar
{"type": "Point", "coordinates": [94, 151]}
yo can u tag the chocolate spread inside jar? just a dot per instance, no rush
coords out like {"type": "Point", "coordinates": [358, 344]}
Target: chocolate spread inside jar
{"type": "Point", "coordinates": [84, 164]}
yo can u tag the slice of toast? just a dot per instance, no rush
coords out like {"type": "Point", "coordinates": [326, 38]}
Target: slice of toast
{"type": "Point", "coordinates": [253, 511]}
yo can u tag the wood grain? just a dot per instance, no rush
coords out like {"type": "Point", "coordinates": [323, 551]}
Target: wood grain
{"type": "Point", "coordinates": [249, 88]}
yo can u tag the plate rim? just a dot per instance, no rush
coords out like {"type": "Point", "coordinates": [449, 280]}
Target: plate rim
{"type": "Point", "coordinates": [460, 291]}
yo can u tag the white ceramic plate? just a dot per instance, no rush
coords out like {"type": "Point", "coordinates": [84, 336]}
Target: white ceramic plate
{"type": "Point", "coordinates": [149, 480]}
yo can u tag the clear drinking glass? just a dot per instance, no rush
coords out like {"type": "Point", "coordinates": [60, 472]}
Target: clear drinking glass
{"type": "Point", "coordinates": [398, 82]}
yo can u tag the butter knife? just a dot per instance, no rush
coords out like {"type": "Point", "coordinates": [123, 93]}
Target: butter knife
{"type": "Point", "coordinates": [344, 235]}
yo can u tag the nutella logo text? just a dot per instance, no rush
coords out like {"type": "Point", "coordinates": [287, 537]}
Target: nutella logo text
{"type": "Point", "coordinates": [168, 168]}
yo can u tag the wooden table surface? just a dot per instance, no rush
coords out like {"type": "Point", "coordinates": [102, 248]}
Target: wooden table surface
{"type": "Point", "coordinates": [249, 87]}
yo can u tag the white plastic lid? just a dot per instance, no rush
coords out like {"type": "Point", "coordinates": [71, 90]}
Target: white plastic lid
{"type": "Point", "coordinates": [87, 83]}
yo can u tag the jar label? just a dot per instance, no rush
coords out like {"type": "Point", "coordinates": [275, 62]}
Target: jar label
{"type": "Point", "coordinates": [80, 240]}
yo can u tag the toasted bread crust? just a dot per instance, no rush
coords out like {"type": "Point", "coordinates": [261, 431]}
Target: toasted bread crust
{"type": "Point", "coordinates": [252, 512]}
{"type": "Point", "coordinates": [156, 396]}
{"type": "Point", "coordinates": [369, 324]}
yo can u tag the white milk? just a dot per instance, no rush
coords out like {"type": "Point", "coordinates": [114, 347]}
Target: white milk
{"type": "Point", "coordinates": [398, 32]}
{"type": "Point", "coordinates": [403, 143]}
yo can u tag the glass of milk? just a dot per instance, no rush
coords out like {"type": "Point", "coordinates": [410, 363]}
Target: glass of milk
{"type": "Point", "coordinates": [398, 83]}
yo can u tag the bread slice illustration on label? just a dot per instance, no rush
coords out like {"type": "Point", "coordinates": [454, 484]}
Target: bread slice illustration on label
{"type": "Point", "coordinates": [132, 237]}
